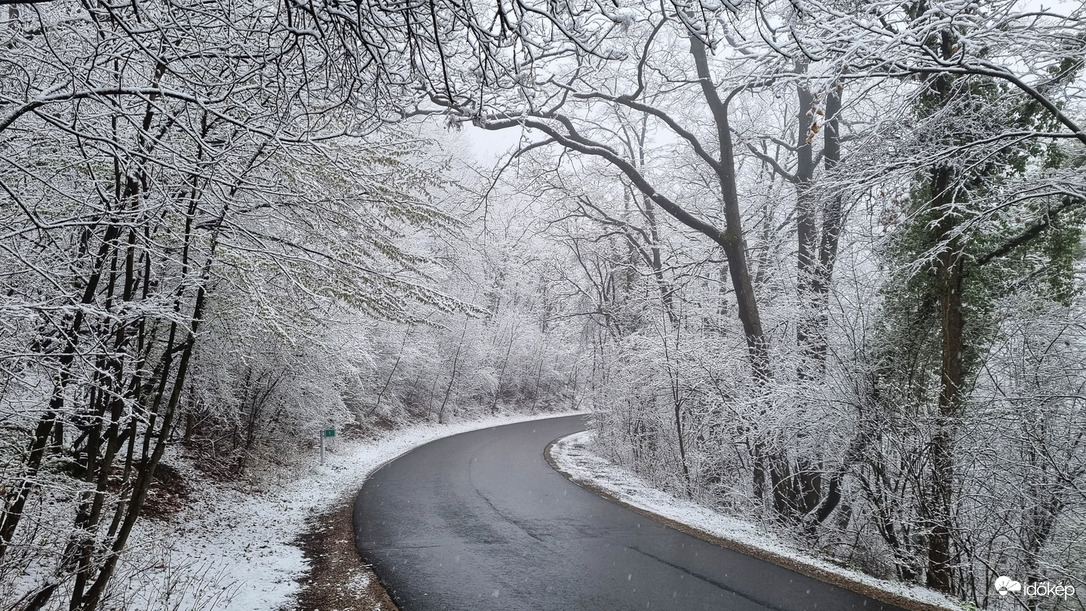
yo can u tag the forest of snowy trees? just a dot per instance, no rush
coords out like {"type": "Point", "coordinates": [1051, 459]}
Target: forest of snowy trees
{"type": "Point", "coordinates": [814, 263]}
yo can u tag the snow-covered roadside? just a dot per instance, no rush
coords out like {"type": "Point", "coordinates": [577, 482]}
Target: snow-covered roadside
{"type": "Point", "coordinates": [234, 549]}
{"type": "Point", "coordinates": [573, 456]}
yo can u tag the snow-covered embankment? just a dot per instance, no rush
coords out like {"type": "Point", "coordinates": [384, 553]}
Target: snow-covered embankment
{"type": "Point", "coordinates": [235, 547]}
{"type": "Point", "coordinates": [573, 456]}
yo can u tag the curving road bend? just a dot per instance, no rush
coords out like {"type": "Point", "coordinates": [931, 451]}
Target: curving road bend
{"type": "Point", "coordinates": [481, 521]}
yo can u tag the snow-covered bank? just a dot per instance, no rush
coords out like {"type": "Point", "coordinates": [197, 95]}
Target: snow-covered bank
{"type": "Point", "coordinates": [573, 456]}
{"type": "Point", "coordinates": [234, 549]}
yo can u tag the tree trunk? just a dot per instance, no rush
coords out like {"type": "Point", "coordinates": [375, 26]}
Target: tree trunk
{"type": "Point", "coordinates": [452, 375]}
{"type": "Point", "coordinates": [952, 323]}
{"type": "Point", "coordinates": [949, 272]}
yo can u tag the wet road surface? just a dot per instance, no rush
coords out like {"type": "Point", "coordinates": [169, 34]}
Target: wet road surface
{"type": "Point", "coordinates": [481, 521]}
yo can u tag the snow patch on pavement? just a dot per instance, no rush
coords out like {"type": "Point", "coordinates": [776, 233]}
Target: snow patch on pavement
{"type": "Point", "coordinates": [235, 549]}
{"type": "Point", "coordinates": [574, 456]}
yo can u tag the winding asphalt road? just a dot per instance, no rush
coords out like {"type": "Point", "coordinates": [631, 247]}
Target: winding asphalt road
{"type": "Point", "coordinates": [481, 521]}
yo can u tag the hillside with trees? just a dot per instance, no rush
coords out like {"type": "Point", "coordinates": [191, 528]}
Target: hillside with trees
{"type": "Point", "coordinates": [819, 264]}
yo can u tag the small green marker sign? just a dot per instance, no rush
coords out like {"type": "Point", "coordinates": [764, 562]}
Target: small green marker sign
{"type": "Point", "coordinates": [329, 432]}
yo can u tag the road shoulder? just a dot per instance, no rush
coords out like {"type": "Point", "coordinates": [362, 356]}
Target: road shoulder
{"type": "Point", "coordinates": [336, 577]}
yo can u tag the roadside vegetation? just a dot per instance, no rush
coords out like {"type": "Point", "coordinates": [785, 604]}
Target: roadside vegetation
{"type": "Point", "coordinates": [817, 264]}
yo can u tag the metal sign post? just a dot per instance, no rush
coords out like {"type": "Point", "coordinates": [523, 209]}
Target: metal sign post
{"type": "Point", "coordinates": [326, 433]}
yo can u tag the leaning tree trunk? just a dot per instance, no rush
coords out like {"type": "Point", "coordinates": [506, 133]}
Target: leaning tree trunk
{"type": "Point", "coordinates": [769, 457]}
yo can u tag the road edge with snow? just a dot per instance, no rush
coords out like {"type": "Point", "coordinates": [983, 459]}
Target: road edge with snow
{"type": "Point", "coordinates": [244, 545]}
{"type": "Point", "coordinates": [572, 457]}
{"type": "Point", "coordinates": [361, 575]}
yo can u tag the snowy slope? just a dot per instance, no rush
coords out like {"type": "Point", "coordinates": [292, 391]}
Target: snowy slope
{"type": "Point", "coordinates": [234, 548]}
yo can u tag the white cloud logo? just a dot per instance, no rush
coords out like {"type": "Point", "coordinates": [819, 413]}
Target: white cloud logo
{"type": "Point", "coordinates": [1004, 584]}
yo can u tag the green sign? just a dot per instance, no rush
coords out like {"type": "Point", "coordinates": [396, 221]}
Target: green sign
{"type": "Point", "coordinates": [329, 432]}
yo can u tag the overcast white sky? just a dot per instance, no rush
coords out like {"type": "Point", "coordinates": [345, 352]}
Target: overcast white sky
{"type": "Point", "coordinates": [488, 145]}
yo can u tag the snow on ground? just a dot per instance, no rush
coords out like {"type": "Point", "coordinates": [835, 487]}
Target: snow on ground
{"type": "Point", "coordinates": [234, 549]}
{"type": "Point", "coordinates": [574, 456]}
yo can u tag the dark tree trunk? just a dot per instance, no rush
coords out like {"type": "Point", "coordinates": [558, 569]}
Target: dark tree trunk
{"type": "Point", "coordinates": [949, 274]}
{"type": "Point", "coordinates": [952, 324]}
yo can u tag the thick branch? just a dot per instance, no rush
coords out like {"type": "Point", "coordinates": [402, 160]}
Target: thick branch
{"type": "Point", "coordinates": [1029, 233]}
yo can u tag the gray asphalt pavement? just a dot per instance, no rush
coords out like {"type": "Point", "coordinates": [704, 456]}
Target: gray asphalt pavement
{"type": "Point", "coordinates": [481, 521]}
